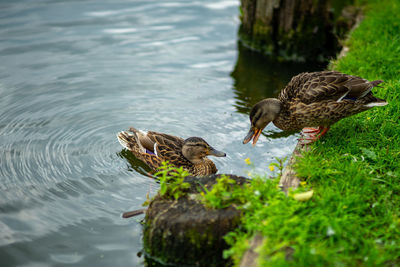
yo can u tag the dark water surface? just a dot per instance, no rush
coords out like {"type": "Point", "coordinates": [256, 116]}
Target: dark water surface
{"type": "Point", "coordinates": [73, 74]}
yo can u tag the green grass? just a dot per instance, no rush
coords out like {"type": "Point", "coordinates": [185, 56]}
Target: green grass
{"type": "Point", "coordinates": [353, 218]}
{"type": "Point", "coordinates": [172, 185]}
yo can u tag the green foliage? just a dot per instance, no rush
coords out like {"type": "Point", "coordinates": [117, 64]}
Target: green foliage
{"type": "Point", "coordinates": [172, 183]}
{"type": "Point", "coordinates": [279, 164]}
{"type": "Point", "coordinates": [223, 194]}
{"type": "Point", "coordinates": [353, 218]}
{"type": "Point", "coordinates": [267, 210]}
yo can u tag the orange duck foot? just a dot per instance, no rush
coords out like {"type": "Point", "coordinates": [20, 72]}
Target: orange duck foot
{"type": "Point", "coordinates": [310, 135]}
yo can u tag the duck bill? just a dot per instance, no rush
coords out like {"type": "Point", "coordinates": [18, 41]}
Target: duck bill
{"type": "Point", "coordinates": [254, 134]}
{"type": "Point", "coordinates": [216, 153]}
{"type": "Point", "coordinates": [249, 136]}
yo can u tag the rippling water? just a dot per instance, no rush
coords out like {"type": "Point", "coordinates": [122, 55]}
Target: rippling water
{"type": "Point", "coordinates": [73, 74]}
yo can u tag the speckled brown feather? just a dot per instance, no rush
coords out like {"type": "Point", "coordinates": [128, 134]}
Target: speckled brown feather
{"type": "Point", "coordinates": [314, 99]}
{"type": "Point", "coordinates": [168, 148]}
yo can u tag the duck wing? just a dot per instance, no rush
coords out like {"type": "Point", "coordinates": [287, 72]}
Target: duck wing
{"type": "Point", "coordinates": [168, 148]}
{"type": "Point", "coordinates": [149, 139]}
{"type": "Point", "coordinates": [332, 85]}
{"type": "Point", "coordinates": [153, 148]}
{"type": "Point", "coordinates": [161, 138]}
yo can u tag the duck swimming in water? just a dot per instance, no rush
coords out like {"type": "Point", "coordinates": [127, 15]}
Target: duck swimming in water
{"type": "Point", "coordinates": [313, 102]}
{"type": "Point", "coordinates": [153, 148]}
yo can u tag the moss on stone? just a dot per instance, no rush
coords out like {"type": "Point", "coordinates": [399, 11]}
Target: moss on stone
{"type": "Point", "coordinates": [184, 232]}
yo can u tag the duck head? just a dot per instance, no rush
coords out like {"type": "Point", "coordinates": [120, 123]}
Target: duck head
{"type": "Point", "coordinates": [195, 149]}
{"type": "Point", "coordinates": [261, 114]}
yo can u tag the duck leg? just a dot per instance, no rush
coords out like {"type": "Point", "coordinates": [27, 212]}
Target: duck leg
{"type": "Point", "coordinates": [324, 131]}
{"type": "Point", "coordinates": [307, 130]}
{"type": "Point", "coordinates": [310, 135]}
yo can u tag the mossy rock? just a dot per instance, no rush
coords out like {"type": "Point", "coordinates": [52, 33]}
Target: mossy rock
{"type": "Point", "coordinates": [185, 233]}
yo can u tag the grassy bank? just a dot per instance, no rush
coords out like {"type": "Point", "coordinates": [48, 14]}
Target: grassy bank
{"type": "Point", "coordinates": [353, 217]}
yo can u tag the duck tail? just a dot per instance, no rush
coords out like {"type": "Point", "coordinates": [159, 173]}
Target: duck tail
{"type": "Point", "coordinates": [131, 140]}
{"type": "Point", "coordinates": [376, 103]}
{"type": "Point", "coordinates": [375, 83]}
{"type": "Point", "coordinates": [370, 85]}
{"type": "Point", "coordinates": [133, 130]}
{"type": "Point", "coordinates": [373, 101]}
{"type": "Point", "coordinates": [126, 139]}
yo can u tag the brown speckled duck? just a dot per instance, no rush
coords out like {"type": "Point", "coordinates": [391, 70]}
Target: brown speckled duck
{"type": "Point", "coordinates": [312, 102]}
{"type": "Point", "coordinates": [153, 148]}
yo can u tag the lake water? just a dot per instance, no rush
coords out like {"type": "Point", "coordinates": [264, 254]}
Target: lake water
{"type": "Point", "coordinates": [73, 74]}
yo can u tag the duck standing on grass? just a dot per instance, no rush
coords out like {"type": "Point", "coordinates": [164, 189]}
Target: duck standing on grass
{"type": "Point", "coordinates": [312, 102]}
{"type": "Point", "coordinates": [153, 148]}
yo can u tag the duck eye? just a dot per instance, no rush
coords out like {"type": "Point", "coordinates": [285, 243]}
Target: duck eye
{"type": "Point", "coordinates": [203, 146]}
{"type": "Point", "coordinates": [256, 117]}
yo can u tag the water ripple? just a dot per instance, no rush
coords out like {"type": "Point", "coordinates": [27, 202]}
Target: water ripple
{"type": "Point", "coordinates": [73, 74]}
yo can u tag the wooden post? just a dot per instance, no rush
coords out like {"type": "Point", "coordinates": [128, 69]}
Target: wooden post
{"type": "Point", "coordinates": [299, 30]}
